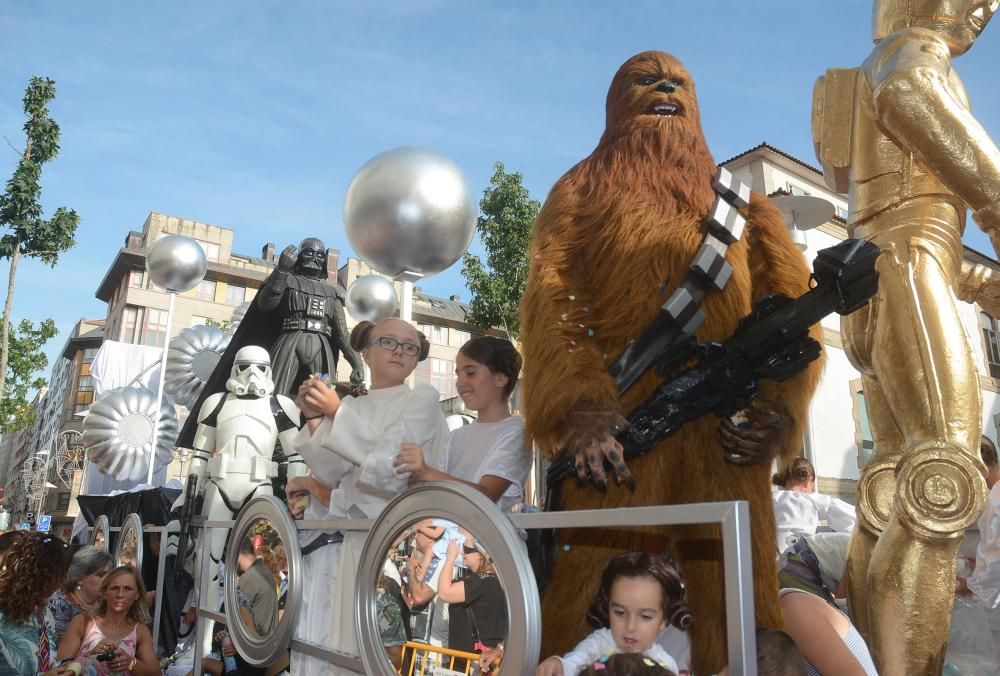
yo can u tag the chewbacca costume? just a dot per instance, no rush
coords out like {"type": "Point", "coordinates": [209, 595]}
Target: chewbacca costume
{"type": "Point", "coordinates": [612, 230]}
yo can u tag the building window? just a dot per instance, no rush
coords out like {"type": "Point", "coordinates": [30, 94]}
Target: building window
{"type": "Point", "coordinates": [435, 334]}
{"type": "Point", "coordinates": [63, 503]}
{"type": "Point", "coordinates": [235, 295]}
{"type": "Point", "coordinates": [440, 374]}
{"type": "Point", "coordinates": [796, 190]}
{"type": "Point", "coordinates": [459, 338]}
{"type": "Point", "coordinates": [205, 290]}
{"type": "Point", "coordinates": [131, 318]}
{"type": "Point", "coordinates": [137, 278]}
{"type": "Point", "coordinates": [154, 328]}
{"type": "Point", "coordinates": [990, 343]}
{"type": "Point", "coordinates": [862, 428]}
{"type": "Point", "coordinates": [212, 250]}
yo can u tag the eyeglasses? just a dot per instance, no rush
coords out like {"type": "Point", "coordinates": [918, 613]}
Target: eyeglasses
{"type": "Point", "coordinates": [390, 344]}
{"type": "Point", "coordinates": [469, 550]}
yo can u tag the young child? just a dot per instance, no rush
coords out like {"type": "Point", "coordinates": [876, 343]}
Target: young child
{"type": "Point", "coordinates": [640, 594]}
{"type": "Point", "coordinates": [626, 664]}
{"type": "Point", "coordinates": [492, 453]}
{"type": "Point", "coordinates": [350, 444]}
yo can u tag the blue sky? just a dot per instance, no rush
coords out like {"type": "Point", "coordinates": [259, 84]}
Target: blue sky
{"type": "Point", "coordinates": [255, 115]}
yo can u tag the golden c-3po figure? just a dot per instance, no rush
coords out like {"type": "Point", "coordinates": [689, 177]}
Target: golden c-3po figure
{"type": "Point", "coordinates": [897, 135]}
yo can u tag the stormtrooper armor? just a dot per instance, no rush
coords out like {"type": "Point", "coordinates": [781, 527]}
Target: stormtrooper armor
{"type": "Point", "coordinates": [234, 449]}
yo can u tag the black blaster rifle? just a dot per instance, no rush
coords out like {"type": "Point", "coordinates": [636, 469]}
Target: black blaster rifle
{"type": "Point", "coordinates": [190, 509]}
{"type": "Point", "coordinates": [772, 343]}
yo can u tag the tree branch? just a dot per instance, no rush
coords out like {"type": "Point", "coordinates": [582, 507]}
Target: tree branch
{"type": "Point", "coordinates": [20, 153]}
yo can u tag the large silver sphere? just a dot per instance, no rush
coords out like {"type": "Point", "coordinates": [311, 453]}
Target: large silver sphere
{"type": "Point", "coordinates": [176, 263]}
{"type": "Point", "coordinates": [372, 298]}
{"type": "Point", "coordinates": [191, 358]}
{"type": "Point", "coordinates": [118, 433]}
{"type": "Point", "coordinates": [409, 209]}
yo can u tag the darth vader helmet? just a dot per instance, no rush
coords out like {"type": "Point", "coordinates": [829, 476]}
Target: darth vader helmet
{"type": "Point", "coordinates": [312, 258]}
{"type": "Point", "coordinates": [251, 375]}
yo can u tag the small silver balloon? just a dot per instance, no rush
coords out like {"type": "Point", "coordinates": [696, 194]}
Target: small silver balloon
{"type": "Point", "coordinates": [176, 263]}
{"type": "Point", "coordinates": [191, 357]}
{"type": "Point", "coordinates": [372, 298]}
{"type": "Point", "coordinates": [409, 209]}
{"type": "Point", "coordinates": [118, 433]}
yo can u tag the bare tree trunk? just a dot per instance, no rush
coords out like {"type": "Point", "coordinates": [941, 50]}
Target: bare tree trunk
{"type": "Point", "coordinates": [15, 256]}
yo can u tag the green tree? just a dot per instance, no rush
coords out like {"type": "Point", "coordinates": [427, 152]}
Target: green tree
{"type": "Point", "coordinates": [222, 326]}
{"type": "Point", "coordinates": [26, 360]}
{"type": "Point", "coordinates": [29, 235]}
{"type": "Point", "coordinates": [507, 214]}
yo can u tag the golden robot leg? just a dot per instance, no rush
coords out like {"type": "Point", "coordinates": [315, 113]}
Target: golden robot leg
{"type": "Point", "coordinates": [923, 363]}
{"type": "Point", "coordinates": [876, 490]}
{"type": "Point", "coordinates": [878, 483]}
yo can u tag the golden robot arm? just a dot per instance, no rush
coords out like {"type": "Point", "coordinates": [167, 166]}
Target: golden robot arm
{"type": "Point", "coordinates": [979, 284]}
{"type": "Point", "coordinates": [917, 105]}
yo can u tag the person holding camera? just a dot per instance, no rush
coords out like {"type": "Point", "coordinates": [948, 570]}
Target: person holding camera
{"type": "Point", "coordinates": [115, 636]}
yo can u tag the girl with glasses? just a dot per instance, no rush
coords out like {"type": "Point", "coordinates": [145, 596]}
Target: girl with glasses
{"type": "Point", "coordinates": [350, 444]}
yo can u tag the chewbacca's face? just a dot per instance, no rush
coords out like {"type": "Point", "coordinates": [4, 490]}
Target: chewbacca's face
{"type": "Point", "coordinates": [652, 88]}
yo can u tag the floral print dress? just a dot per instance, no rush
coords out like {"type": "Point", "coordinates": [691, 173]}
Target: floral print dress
{"type": "Point", "coordinates": [27, 648]}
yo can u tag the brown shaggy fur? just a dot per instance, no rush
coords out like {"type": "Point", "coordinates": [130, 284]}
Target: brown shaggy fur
{"type": "Point", "coordinates": [612, 229]}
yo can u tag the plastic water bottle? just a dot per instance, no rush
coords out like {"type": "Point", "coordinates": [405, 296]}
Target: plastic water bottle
{"type": "Point", "coordinates": [228, 661]}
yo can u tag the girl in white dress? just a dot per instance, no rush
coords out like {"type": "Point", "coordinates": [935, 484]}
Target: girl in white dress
{"type": "Point", "coordinates": [799, 510]}
{"type": "Point", "coordinates": [350, 445]}
{"type": "Point", "coordinates": [492, 453]}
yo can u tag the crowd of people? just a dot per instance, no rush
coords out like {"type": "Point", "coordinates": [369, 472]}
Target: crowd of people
{"type": "Point", "coordinates": [438, 590]}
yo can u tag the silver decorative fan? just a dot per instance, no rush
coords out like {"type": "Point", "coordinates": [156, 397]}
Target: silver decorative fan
{"type": "Point", "coordinates": [191, 358]}
{"type": "Point", "coordinates": [239, 312]}
{"type": "Point", "coordinates": [118, 433]}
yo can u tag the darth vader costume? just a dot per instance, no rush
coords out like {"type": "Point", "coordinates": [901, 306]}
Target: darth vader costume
{"type": "Point", "coordinates": [298, 317]}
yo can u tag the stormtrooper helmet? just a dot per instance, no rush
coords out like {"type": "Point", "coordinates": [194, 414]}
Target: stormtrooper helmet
{"type": "Point", "coordinates": [251, 375]}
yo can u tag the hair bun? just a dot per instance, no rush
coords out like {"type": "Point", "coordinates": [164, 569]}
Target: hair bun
{"type": "Point", "coordinates": [680, 615]}
{"type": "Point", "coordinates": [361, 334]}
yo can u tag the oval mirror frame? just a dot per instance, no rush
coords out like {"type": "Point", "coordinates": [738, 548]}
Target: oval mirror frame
{"type": "Point", "coordinates": [263, 650]}
{"type": "Point", "coordinates": [475, 512]}
{"type": "Point", "coordinates": [132, 524]}
{"type": "Point", "coordinates": [101, 525]}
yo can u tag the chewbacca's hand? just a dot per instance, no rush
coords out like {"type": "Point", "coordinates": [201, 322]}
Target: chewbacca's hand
{"type": "Point", "coordinates": [590, 438]}
{"type": "Point", "coordinates": [757, 445]}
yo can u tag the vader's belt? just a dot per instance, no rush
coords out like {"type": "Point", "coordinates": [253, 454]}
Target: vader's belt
{"type": "Point", "coordinates": [306, 324]}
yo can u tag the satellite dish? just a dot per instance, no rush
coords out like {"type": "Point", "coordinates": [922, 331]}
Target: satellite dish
{"type": "Point", "coordinates": [804, 212]}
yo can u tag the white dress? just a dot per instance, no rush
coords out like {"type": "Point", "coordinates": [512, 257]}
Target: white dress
{"type": "Point", "coordinates": [796, 512]}
{"type": "Point", "coordinates": [497, 448]}
{"type": "Point", "coordinates": [364, 437]}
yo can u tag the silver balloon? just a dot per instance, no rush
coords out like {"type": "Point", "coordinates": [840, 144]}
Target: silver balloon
{"type": "Point", "coordinates": [239, 312]}
{"type": "Point", "coordinates": [176, 263]}
{"type": "Point", "coordinates": [409, 209]}
{"type": "Point", "coordinates": [118, 433]}
{"type": "Point", "coordinates": [372, 298]}
{"type": "Point", "coordinates": [191, 357]}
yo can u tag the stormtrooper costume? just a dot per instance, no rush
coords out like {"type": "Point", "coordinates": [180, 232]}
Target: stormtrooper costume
{"type": "Point", "coordinates": [234, 449]}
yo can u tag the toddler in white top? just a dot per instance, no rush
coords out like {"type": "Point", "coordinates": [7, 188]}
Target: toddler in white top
{"type": "Point", "coordinates": [640, 594]}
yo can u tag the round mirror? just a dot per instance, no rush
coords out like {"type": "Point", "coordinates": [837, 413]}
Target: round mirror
{"type": "Point", "coordinates": [446, 555]}
{"type": "Point", "coordinates": [262, 587]}
{"type": "Point", "coordinates": [99, 534]}
{"type": "Point", "coordinates": [129, 549]}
